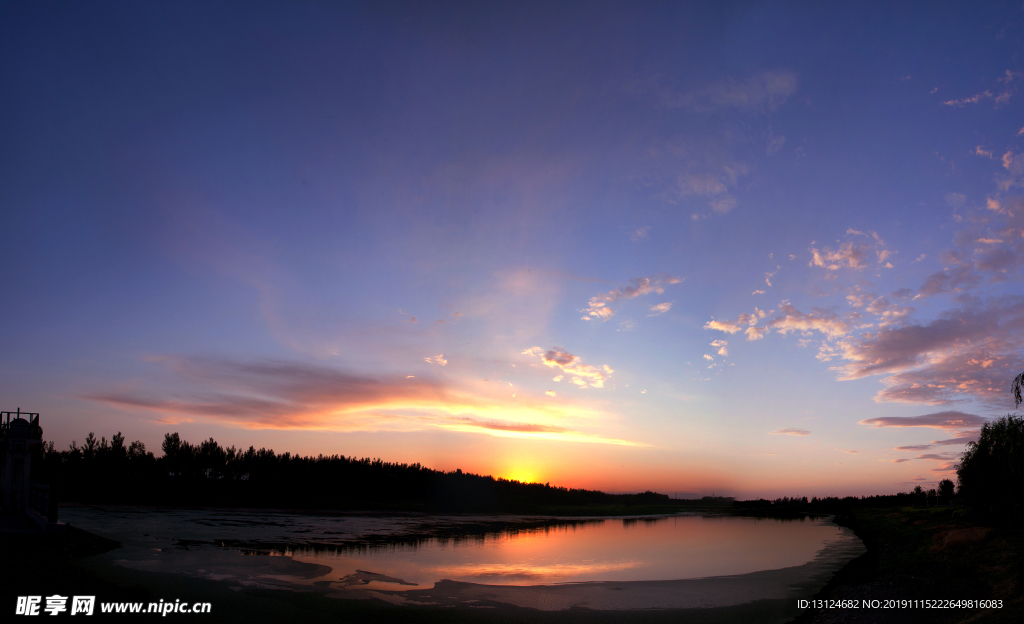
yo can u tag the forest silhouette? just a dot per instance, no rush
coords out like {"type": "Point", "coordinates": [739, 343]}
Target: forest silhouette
{"type": "Point", "coordinates": [207, 474]}
{"type": "Point", "coordinates": [991, 471]}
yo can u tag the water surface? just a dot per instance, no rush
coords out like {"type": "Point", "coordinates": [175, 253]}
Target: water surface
{"type": "Point", "coordinates": [406, 557]}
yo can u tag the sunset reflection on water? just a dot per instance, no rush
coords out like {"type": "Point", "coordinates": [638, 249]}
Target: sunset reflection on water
{"type": "Point", "coordinates": [665, 548]}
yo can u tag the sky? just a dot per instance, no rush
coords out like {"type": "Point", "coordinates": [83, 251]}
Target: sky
{"type": "Point", "coordinates": [743, 249]}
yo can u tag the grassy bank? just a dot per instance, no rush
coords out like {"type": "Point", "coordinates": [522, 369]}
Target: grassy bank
{"type": "Point", "coordinates": [927, 554]}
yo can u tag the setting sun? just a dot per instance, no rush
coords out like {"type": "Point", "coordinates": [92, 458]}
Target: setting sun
{"type": "Point", "coordinates": [521, 475]}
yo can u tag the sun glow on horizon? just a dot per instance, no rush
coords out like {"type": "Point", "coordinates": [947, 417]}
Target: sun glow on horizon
{"type": "Point", "coordinates": [521, 475]}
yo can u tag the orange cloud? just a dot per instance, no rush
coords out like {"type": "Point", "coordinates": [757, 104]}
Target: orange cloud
{"type": "Point", "coordinates": [272, 394]}
{"type": "Point", "coordinates": [823, 321]}
{"type": "Point", "coordinates": [850, 255]}
{"type": "Point", "coordinates": [847, 255]}
{"type": "Point", "coordinates": [583, 375]}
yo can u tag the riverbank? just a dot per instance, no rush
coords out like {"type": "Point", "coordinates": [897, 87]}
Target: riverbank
{"type": "Point", "coordinates": [936, 554]}
{"type": "Point", "coordinates": [249, 580]}
{"type": "Point", "coordinates": [913, 554]}
{"type": "Point", "coordinates": [36, 562]}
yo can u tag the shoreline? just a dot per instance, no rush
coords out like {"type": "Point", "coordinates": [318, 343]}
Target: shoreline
{"type": "Point", "coordinates": [713, 592]}
{"type": "Point", "coordinates": [767, 596]}
{"type": "Point", "coordinates": [909, 553]}
{"type": "Point", "coordinates": [933, 554]}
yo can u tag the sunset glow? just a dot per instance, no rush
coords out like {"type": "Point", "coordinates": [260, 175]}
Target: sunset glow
{"type": "Point", "coordinates": [521, 475]}
{"type": "Point", "coordinates": [677, 247]}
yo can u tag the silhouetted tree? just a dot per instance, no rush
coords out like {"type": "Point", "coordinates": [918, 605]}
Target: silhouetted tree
{"type": "Point", "coordinates": [991, 470]}
{"type": "Point", "coordinates": [90, 445]}
{"type": "Point", "coordinates": [1015, 388]}
{"type": "Point", "coordinates": [919, 495]}
{"type": "Point", "coordinates": [209, 474]}
{"type": "Point", "coordinates": [945, 491]}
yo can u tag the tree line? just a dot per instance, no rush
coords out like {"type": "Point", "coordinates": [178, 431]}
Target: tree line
{"type": "Point", "coordinates": [208, 474]}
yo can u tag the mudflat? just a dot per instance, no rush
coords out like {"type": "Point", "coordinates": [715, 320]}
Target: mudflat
{"type": "Point", "coordinates": [265, 586]}
{"type": "Point", "coordinates": [702, 593]}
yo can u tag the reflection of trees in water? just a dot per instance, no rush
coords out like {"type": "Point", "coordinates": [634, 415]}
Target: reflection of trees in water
{"type": "Point", "coordinates": [727, 517]}
{"type": "Point", "coordinates": [646, 520]}
{"type": "Point", "coordinates": [456, 534]}
{"type": "Point", "coordinates": [469, 533]}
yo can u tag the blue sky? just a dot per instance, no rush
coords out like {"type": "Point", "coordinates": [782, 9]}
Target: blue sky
{"type": "Point", "coordinates": [749, 248]}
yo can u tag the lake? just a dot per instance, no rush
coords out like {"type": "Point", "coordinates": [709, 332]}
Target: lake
{"type": "Point", "coordinates": [676, 561]}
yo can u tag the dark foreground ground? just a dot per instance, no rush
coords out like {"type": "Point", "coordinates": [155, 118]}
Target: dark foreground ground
{"type": "Point", "coordinates": [933, 554]}
{"type": "Point", "coordinates": [927, 554]}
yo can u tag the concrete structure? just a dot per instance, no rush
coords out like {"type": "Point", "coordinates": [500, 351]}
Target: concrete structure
{"type": "Point", "coordinates": [21, 438]}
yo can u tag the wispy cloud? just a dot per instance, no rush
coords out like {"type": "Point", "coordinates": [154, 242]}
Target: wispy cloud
{"type": "Point", "coordinates": [791, 432]}
{"type": "Point", "coordinates": [791, 319]}
{"type": "Point", "coordinates": [437, 359]}
{"type": "Point", "coordinates": [959, 437]}
{"type": "Point", "coordinates": [847, 255]}
{"type": "Point", "coordinates": [999, 98]}
{"type": "Point", "coordinates": [955, 280]}
{"type": "Point", "coordinates": [580, 374]}
{"type": "Point", "coordinates": [981, 96]}
{"type": "Point", "coordinates": [599, 308]}
{"type": "Point", "coordinates": [712, 185]}
{"type": "Point", "coordinates": [955, 200]}
{"type": "Point", "coordinates": [745, 322]}
{"type": "Point", "coordinates": [640, 233]}
{"type": "Point", "coordinates": [938, 420]}
{"type": "Point", "coordinates": [939, 456]}
{"type": "Point", "coordinates": [852, 254]}
{"type": "Point", "coordinates": [966, 351]}
{"type": "Point", "coordinates": [762, 91]}
{"type": "Point", "coordinates": [661, 308]}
